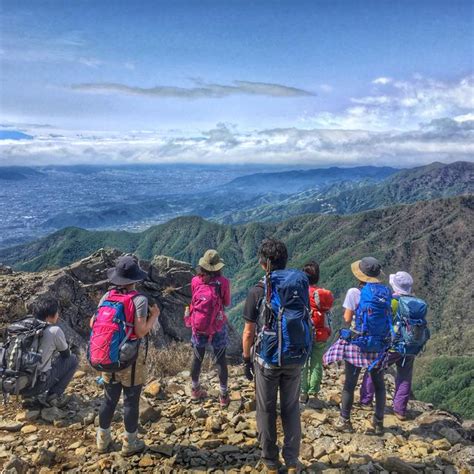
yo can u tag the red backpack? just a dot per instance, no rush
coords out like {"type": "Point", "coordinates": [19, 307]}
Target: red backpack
{"type": "Point", "coordinates": [206, 310]}
{"type": "Point", "coordinates": [321, 301]}
{"type": "Point", "coordinates": [113, 344]}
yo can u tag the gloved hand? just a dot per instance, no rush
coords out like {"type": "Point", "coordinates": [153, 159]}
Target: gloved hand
{"type": "Point", "coordinates": [248, 368]}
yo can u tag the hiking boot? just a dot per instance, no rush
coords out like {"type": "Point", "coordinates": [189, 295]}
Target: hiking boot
{"type": "Point", "coordinates": [271, 470]}
{"type": "Point", "coordinates": [224, 400]}
{"type": "Point", "coordinates": [60, 401]}
{"type": "Point", "coordinates": [315, 403]}
{"type": "Point", "coordinates": [366, 406]}
{"type": "Point", "coordinates": [30, 403]}
{"type": "Point", "coordinates": [294, 467]}
{"type": "Point", "coordinates": [131, 444]}
{"type": "Point", "coordinates": [304, 397]}
{"type": "Point", "coordinates": [42, 400]}
{"type": "Point", "coordinates": [198, 394]}
{"type": "Point", "coordinates": [343, 425]}
{"type": "Point", "coordinates": [400, 416]}
{"type": "Point", "coordinates": [377, 425]}
{"type": "Point", "coordinates": [104, 440]}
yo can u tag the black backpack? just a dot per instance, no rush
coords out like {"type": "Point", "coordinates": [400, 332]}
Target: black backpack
{"type": "Point", "coordinates": [20, 358]}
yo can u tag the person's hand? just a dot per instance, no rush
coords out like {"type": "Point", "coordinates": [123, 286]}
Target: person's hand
{"type": "Point", "coordinates": [154, 311]}
{"type": "Point", "coordinates": [248, 368]}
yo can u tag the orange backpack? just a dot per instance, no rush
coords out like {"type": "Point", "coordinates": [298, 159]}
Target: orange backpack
{"type": "Point", "coordinates": [321, 301]}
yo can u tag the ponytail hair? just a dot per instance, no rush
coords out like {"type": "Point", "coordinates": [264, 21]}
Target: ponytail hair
{"type": "Point", "coordinates": [312, 271]}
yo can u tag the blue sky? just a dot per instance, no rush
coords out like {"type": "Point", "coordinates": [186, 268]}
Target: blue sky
{"type": "Point", "coordinates": [238, 81]}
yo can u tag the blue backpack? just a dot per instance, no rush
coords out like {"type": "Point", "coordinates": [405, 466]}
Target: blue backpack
{"type": "Point", "coordinates": [373, 319]}
{"type": "Point", "coordinates": [412, 329]}
{"type": "Point", "coordinates": [286, 333]}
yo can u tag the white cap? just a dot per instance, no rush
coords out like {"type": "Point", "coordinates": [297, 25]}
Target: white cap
{"type": "Point", "coordinates": [402, 283]}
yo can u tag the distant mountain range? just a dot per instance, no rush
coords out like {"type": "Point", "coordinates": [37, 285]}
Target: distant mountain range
{"type": "Point", "coordinates": [16, 173]}
{"type": "Point", "coordinates": [277, 196]}
{"type": "Point", "coordinates": [407, 186]}
{"type": "Point", "coordinates": [431, 239]}
{"type": "Point", "coordinates": [290, 182]}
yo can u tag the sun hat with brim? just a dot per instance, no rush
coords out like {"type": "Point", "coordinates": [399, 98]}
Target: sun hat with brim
{"type": "Point", "coordinates": [211, 261]}
{"type": "Point", "coordinates": [401, 282]}
{"type": "Point", "coordinates": [367, 270]}
{"type": "Point", "coordinates": [126, 272]}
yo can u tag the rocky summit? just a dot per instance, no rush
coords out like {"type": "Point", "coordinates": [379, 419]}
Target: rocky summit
{"type": "Point", "coordinates": [183, 436]}
{"type": "Point", "coordinates": [79, 287]}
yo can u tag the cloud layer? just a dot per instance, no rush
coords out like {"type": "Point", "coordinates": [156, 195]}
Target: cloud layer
{"type": "Point", "coordinates": [203, 90]}
{"type": "Point", "coordinates": [439, 140]}
{"type": "Point", "coordinates": [400, 123]}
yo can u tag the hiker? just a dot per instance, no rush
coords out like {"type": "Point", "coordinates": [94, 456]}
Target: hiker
{"type": "Point", "coordinates": [54, 373]}
{"type": "Point", "coordinates": [210, 295]}
{"type": "Point", "coordinates": [405, 308]}
{"type": "Point", "coordinates": [276, 341]}
{"type": "Point", "coordinates": [368, 312]}
{"type": "Point", "coordinates": [321, 301]}
{"type": "Point", "coordinates": [122, 321]}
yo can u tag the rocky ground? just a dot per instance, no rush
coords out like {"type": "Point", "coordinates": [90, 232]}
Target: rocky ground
{"type": "Point", "coordinates": [186, 437]}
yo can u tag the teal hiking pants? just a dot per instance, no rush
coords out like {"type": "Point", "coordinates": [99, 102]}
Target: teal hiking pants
{"type": "Point", "coordinates": [313, 370]}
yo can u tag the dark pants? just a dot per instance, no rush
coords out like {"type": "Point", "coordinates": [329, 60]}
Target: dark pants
{"type": "Point", "coordinates": [267, 384]}
{"type": "Point", "coordinates": [351, 376]}
{"type": "Point", "coordinates": [220, 360]}
{"type": "Point", "coordinates": [402, 383]}
{"type": "Point", "coordinates": [57, 379]}
{"type": "Point", "coordinates": [131, 403]}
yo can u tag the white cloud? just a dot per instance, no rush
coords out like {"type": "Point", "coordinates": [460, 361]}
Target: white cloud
{"type": "Point", "coordinates": [326, 88]}
{"type": "Point", "coordinates": [382, 80]}
{"type": "Point", "coordinates": [402, 106]}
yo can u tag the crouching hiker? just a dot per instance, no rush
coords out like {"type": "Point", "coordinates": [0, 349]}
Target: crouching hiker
{"type": "Point", "coordinates": [276, 312]}
{"type": "Point", "coordinates": [54, 373]}
{"type": "Point", "coordinates": [117, 348]}
{"type": "Point", "coordinates": [321, 301]}
{"type": "Point", "coordinates": [210, 295]}
{"type": "Point", "coordinates": [411, 334]}
{"type": "Point", "coordinates": [368, 312]}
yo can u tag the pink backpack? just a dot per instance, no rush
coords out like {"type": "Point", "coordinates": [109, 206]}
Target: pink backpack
{"type": "Point", "coordinates": [113, 345]}
{"type": "Point", "coordinates": [206, 311]}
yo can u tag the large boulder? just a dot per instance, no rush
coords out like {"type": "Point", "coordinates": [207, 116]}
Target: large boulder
{"type": "Point", "coordinates": [80, 286]}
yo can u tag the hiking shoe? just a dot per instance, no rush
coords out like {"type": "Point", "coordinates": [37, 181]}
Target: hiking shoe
{"type": "Point", "coordinates": [131, 444]}
{"type": "Point", "coordinates": [315, 403]}
{"type": "Point", "coordinates": [304, 397]}
{"type": "Point", "coordinates": [198, 394]}
{"type": "Point", "coordinates": [400, 416]}
{"type": "Point", "coordinates": [366, 406]}
{"type": "Point", "coordinates": [30, 403]}
{"type": "Point", "coordinates": [60, 401]}
{"type": "Point", "coordinates": [343, 425]}
{"type": "Point", "coordinates": [377, 425]}
{"type": "Point", "coordinates": [224, 400]}
{"type": "Point", "coordinates": [294, 467]}
{"type": "Point", "coordinates": [42, 400]}
{"type": "Point", "coordinates": [103, 440]}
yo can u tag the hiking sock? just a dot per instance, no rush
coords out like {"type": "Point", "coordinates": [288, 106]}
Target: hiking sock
{"type": "Point", "coordinates": [223, 389]}
{"type": "Point", "coordinates": [195, 384]}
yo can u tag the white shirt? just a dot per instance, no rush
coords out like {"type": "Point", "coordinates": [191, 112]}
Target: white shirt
{"type": "Point", "coordinates": [352, 299]}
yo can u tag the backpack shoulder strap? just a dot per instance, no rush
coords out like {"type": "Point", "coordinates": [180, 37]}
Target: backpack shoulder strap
{"type": "Point", "coordinates": [316, 298]}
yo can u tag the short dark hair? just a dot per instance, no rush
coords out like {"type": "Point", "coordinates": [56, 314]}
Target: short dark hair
{"type": "Point", "coordinates": [275, 251]}
{"type": "Point", "coordinates": [45, 306]}
{"type": "Point", "coordinates": [312, 271]}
